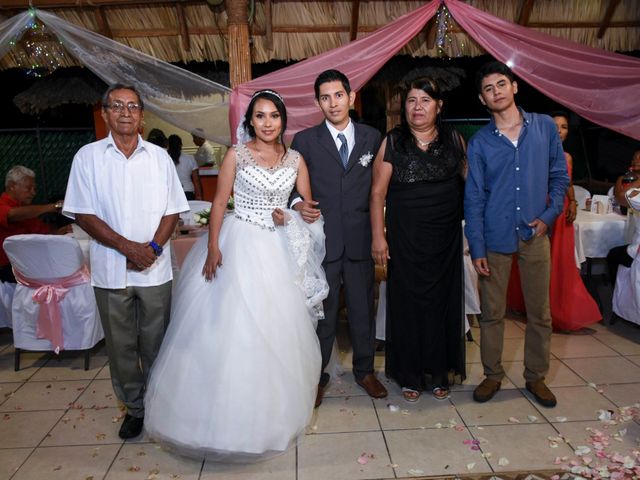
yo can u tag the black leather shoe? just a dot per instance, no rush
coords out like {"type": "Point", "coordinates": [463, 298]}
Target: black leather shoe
{"type": "Point", "coordinates": [131, 427]}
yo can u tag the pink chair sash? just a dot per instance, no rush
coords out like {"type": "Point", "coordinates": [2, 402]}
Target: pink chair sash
{"type": "Point", "coordinates": [49, 295]}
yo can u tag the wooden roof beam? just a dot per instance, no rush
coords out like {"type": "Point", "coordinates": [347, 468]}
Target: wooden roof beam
{"type": "Point", "coordinates": [23, 4]}
{"type": "Point", "coordinates": [355, 18]}
{"type": "Point", "coordinates": [103, 24]}
{"type": "Point", "coordinates": [211, 30]}
{"type": "Point", "coordinates": [525, 12]}
{"type": "Point", "coordinates": [268, 24]}
{"type": "Point", "coordinates": [608, 15]}
{"type": "Point", "coordinates": [184, 28]}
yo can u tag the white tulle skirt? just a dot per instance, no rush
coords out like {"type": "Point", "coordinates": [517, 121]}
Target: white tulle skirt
{"type": "Point", "coordinates": [236, 377]}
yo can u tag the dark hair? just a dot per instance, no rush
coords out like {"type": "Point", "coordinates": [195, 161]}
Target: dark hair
{"type": "Point", "coordinates": [331, 76]}
{"type": "Point", "coordinates": [175, 148]}
{"type": "Point", "coordinates": [447, 136]}
{"type": "Point", "coordinates": [273, 97]}
{"type": "Point", "coordinates": [157, 137]}
{"type": "Point", "coordinates": [121, 86]}
{"type": "Point", "coordinates": [489, 69]}
{"type": "Point", "coordinates": [560, 113]}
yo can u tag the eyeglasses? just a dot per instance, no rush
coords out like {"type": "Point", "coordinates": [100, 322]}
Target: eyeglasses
{"type": "Point", "coordinates": [119, 107]}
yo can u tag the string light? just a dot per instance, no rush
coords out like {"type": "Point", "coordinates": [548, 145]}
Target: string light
{"type": "Point", "coordinates": [38, 52]}
{"type": "Point", "coordinates": [445, 39]}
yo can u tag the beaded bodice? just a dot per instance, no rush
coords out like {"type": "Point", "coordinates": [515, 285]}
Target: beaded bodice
{"type": "Point", "coordinates": [257, 191]}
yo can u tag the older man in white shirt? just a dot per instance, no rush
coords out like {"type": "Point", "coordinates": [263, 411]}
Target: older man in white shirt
{"type": "Point", "coordinates": [126, 194]}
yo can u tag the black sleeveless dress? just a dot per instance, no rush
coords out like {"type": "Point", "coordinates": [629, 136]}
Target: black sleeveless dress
{"type": "Point", "coordinates": [425, 308]}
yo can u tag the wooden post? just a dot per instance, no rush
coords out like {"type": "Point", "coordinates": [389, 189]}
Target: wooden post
{"type": "Point", "coordinates": [393, 107]}
{"type": "Point", "coordinates": [238, 40]}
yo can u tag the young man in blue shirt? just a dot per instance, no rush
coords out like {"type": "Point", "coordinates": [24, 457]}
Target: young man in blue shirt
{"type": "Point", "coordinates": [515, 189]}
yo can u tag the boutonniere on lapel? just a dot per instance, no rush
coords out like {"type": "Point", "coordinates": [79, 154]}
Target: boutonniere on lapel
{"type": "Point", "coordinates": [365, 159]}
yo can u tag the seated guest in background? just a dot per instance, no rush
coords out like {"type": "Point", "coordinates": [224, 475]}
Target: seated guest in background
{"type": "Point", "coordinates": [157, 137]}
{"type": "Point", "coordinates": [618, 256]}
{"type": "Point", "coordinates": [205, 155]}
{"type": "Point", "coordinates": [17, 215]}
{"type": "Point", "coordinates": [187, 169]}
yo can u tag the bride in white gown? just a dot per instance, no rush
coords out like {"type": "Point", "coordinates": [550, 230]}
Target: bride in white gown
{"type": "Point", "coordinates": [237, 373]}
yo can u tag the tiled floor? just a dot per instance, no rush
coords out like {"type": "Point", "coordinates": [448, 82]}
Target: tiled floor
{"type": "Point", "coordinates": [60, 422]}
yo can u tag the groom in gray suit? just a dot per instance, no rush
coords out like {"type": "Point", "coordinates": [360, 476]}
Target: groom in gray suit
{"type": "Point", "coordinates": [339, 156]}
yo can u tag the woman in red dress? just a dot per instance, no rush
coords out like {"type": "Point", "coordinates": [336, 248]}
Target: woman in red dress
{"type": "Point", "coordinates": [572, 307]}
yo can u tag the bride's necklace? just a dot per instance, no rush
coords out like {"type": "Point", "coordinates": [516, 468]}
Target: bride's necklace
{"type": "Point", "coordinates": [271, 164]}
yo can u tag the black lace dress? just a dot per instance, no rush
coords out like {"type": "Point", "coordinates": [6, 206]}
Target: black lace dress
{"type": "Point", "coordinates": [425, 315]}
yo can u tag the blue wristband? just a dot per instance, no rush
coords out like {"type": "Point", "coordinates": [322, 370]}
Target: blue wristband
{"type": "Point", "coordinates": [157, 249]}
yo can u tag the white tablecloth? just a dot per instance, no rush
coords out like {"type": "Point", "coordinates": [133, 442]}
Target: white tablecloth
{"type": "Point", "coordinates": [596, 234]}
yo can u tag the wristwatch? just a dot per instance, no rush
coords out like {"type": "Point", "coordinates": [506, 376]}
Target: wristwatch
{"type": "Point", "coordinates": [157, 249]}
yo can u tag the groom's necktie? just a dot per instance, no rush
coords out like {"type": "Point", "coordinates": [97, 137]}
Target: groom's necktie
{"type": "Point", "coordinates": [344, 150]}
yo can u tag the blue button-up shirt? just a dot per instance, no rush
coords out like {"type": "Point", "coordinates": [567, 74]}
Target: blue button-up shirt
{"type": "Point", "coordinates": [510, 186]}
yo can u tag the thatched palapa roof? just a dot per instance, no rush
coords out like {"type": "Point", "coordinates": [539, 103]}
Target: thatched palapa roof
{"type": "Point", "coordinates": [52, 92]}
{"type": "Point", "coordinates": [196, 30]}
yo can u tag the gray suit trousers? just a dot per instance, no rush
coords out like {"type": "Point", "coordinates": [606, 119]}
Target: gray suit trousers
{"type": "Point", "coordinates": [134, 320]}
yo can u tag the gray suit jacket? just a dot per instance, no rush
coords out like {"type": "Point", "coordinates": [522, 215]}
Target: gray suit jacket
{"type": "Point", "coordinates": [343, 193]}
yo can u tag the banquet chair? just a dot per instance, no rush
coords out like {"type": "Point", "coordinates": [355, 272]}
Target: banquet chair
{"type": "Point", "coordinates": [54, 307]}
{"type": "Point", "coordinates": [581, 195]}
{"type": "Point", "coordinates": [195, 206]}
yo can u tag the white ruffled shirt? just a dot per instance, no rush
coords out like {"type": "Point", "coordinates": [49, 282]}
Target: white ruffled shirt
{"type": "Point", "coordinates": [131, 195]}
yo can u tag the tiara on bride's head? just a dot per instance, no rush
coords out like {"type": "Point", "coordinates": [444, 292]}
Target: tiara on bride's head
{"type": "Point", "coordinates": [270, 92]}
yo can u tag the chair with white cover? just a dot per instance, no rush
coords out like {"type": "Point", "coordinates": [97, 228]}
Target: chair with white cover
{"type": "Point", "coordinates": [195, 206]}
{"type": "Point", "coordinates": [626, 295]}
{"type": "Point", "coordinates": [581, 195]}
{"type": "Point", "coordinates": [54, 307]}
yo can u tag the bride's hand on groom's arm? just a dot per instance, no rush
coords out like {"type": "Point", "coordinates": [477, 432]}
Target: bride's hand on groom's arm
{"type": "Point", "coordinates": [278, 217]}
{"type": "Point", "coordinates": [214, 260]}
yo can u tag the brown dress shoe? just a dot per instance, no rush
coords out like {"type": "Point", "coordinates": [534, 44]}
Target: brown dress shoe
{"type": "Point", "coordinates": [486, 390]}
{"type": "Point", "coordinates": [372, 386]}
{"type": "Point", "coordinates": [541, 392]}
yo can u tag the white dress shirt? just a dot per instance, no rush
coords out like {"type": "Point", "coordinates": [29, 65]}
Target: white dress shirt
{"type": "Point", "coordinates": [185, 168]}
{"type": "Point", "coordinates": [131, 195]}
{"type": "Point", "coordinates": [206, 155]}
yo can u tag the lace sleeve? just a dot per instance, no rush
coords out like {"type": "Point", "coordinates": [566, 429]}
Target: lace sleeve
{"type": "Point", "coordinates": [292, 159]}
{"type": "Point", "coordinates": [242, 158]}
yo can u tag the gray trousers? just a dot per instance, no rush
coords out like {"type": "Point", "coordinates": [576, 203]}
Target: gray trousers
{"type": "Point", "coordinates": [358, 278]}
{"type": "Point", "coordinates": [534, 261]}
{"type": "Point", "coordinates": [134, 320]}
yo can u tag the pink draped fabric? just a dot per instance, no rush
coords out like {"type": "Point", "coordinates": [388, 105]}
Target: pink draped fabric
{"type": "Point", "coordinates": [598, 85]}
{"type": "Point", "coordinates": [49, 294]}
{"type": "Point", "coordinates": [359, 60]}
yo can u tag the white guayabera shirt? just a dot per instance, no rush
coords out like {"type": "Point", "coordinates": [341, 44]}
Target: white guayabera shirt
{"type": "Point", "coordinates": [131, 195]}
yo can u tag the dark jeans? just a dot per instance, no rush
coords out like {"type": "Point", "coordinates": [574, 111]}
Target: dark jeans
{"type": "Point", "coordinates": [6, 274]}
{"type": "Point", "coordinates": [617, 256]}
{"type": "Point", "coordinates": [190, 195]}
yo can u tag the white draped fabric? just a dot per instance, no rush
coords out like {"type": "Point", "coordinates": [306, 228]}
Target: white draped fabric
{"type": "Point", "coordinates": [177, 96]}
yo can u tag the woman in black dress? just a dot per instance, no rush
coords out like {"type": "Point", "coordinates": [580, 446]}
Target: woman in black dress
{"type": "Point", "coordinates": [419, 171]}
